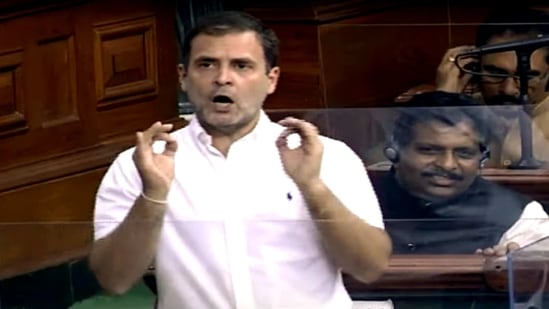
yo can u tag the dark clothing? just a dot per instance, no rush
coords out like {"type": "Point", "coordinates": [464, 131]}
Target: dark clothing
{"type": "Point", "coordinates": [475, 219]}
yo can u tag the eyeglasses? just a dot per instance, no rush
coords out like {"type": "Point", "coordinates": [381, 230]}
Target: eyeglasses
{"type": "Point", "coordinates": [491, 77]}
{"type": "Point", "coordinates": [495, 75]}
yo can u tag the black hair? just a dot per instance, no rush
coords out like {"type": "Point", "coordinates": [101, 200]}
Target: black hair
{"type": "Point", "coordinates": [444, 107]}
{"type": "Point", "coordinates": [514, 20]}
{"type": "Point", "coordinates": [221, 23]}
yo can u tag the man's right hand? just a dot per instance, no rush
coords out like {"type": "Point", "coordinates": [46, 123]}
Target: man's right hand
{"type": "Point", "coordinates": [449, 77]}
{"type": "Point", "coordinates": [156, 169]}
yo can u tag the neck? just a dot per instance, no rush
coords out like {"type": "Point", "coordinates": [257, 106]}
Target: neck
{"type": "Point", "coordinates": [223, 138]}
{"type": "Point", "coordinates": [541, 107]}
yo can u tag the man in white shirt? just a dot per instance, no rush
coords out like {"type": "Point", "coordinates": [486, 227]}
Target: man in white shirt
{"type": "Point", "coordinates": [434, 200]}
{"type": "Point", "coordinates": [237, 211]}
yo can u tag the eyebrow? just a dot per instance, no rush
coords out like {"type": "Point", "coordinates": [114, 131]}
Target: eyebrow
{"type": "Point", "coordinates": [205, 59]}
{"type": "Point", "coordinates": [495, 68]}
{"type": "Point", "coordinates": [243, 60]}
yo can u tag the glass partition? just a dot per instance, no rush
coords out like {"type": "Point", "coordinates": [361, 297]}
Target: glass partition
{"type": "Point", "coordinates": [528, 269]}
{"type": "Point", "coordinates": [60, 276]}
{"type": "Point", "coordinates": [435, 231]}
{"type": "Point", "coordinates": [368, 131]}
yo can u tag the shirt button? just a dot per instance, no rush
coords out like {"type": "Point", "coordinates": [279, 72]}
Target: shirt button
{"type": "Point", "coordinates": [411, 247]}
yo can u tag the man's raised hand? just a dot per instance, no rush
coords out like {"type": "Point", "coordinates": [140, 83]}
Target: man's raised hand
{"type": "Point", "coordinates": [156, 169]}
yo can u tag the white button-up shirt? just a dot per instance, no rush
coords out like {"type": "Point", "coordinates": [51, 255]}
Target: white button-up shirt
{"type": "Point", "coordinates": [237, 232]}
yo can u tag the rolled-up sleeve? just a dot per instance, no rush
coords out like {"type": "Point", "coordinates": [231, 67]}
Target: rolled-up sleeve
{"type": "Point", "coordinates": [119, 188]}
{"type": "Point", "coordinates": [532, 226]}
{"type": "Point", "coordinates": [345, 174]}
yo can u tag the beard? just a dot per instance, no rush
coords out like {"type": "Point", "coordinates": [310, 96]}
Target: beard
{"type": "Point", "coordinates": [502, 100]}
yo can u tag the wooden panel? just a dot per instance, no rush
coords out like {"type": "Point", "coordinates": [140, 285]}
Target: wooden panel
{"type": "Point", "coordinates": [49, 86]}
{"type": "Point", "coordinates": [371, 65]}
{"type": "Point", "coordinates": [410, 13]}
{"type": "Point", "coordinates": [300, 82]}
{"type": "Point", "coordinates": [317, 12]}
{"type": "Point", "coordinates": [125, 61]}
{"type": "Point", "coordinates": [12, 106]}
{"type": "Point", "coordinates": [63, 121]}
{"type": "Point", "coordinates": [146, 83]}
{"type": "Point", "coordinates": [41, 221]}
{"type": "Point", "coordinates": [58, 59]}
{"type": "Point", "coordinates": [10, 9]}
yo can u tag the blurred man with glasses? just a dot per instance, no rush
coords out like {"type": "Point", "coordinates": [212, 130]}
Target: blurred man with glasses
{"type": "Point", "coordinates": [497, 80]}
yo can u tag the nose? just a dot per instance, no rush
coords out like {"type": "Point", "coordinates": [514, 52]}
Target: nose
{"type": "Point", "coordinates": [447, 161]}
{"type": "Point", "coordinates": [510, 87]}
{"type": "Point", "coordinates": [223, 76]}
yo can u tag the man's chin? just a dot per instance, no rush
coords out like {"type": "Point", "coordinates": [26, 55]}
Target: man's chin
{"type": "Point", "coordinates": [438, 193]}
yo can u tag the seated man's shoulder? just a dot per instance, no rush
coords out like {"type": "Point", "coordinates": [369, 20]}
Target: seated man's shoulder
{"type": "Point", "coordinates": [505, 195]}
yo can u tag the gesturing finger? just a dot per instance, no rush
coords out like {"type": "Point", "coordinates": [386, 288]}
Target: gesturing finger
{"type": "Point", "coordinates": [156, 132]}
{"type": "Point", "coordinates": [307, 131]}
{"type": "Point", "coordinates": [282, 140]}
{"type": "Point", "coordinates": [153, 131]}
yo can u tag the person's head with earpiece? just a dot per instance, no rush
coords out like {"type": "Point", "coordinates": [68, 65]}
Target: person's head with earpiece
{"type": "Point", "coordinates": [438, 145]}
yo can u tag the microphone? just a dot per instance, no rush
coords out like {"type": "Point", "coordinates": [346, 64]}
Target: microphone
{"type": "Point", "coordinates": [531, 44]}
{"type": "Point", "coordinates": [523, 50]}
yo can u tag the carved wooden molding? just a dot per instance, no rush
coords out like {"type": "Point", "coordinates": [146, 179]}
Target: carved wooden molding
{"type": "Point", "coordinates": [328, 12]}
{"type": "Point", "coordinates": [17, 8]}
{"type": "Point", "coordinates": [59, 59]}
{"type": "Point", "coordinates": [12, 105]}
{"type": "Point", "coordinates": [454, 272]}
{"type": "Point", "coordinates": [125, 61]}
{"type": "Point", "coordinates": [317, 11]}
{"type": "Point", "coordinates": [427, 272]}
{"type": "Point", "coordinates": [70, 163]}
{"type": "Point", "coordinates": [517, 176]}
{"type": "Point", "coordinates": [67, 164]}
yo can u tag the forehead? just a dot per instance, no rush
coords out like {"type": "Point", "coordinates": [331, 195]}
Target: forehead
{"type": "Point", "coordinates": [245, 44]}
{"type": "Point", "coordinates": [508, 60]}
{"type": "Point", "coordinates": [435, 132]}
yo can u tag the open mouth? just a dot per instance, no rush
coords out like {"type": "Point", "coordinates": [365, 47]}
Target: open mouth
{"type": "Point", "coordinates": [222, 99]}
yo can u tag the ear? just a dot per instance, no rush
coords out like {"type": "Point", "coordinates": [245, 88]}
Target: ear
{"type": "Point", "coordinates": [182, 74]}
{"type": "Point", "coordinates": [273, 75]}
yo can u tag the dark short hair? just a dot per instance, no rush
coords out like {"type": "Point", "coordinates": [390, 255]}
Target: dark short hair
{"type": "Point", "coordinates": [444, 107]}
{"type": "Point", "coordinates": [515, 20]}
{"type": "Point", "coordinates": [224, 22]}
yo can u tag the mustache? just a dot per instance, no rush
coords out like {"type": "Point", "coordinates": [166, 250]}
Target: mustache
{"type": "Point", "coordinates": [443, 173]}
{"type": "Point", "coordinates": [502, 100]}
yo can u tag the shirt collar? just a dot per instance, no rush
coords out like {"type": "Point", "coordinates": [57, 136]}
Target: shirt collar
{"type": "Point", "coordinates": [199, 133]}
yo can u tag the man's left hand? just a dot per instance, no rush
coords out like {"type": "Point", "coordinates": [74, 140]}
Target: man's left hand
{"type": "Point", "coordinates": [302, 164]}
{"type": "Point", "coordinates": [498, 250]}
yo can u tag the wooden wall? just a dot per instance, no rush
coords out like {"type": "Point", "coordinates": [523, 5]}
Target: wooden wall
{"type": "Point", "coordinates": [77, 79]}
